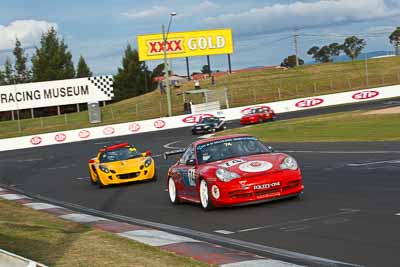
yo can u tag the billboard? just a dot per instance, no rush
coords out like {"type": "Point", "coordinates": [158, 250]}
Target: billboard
{"type": "Point", "coordinates": [56, 93]}
{"type": "Point", "coordinates": [185, 44]}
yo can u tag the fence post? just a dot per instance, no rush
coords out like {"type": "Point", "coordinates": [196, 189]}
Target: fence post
{"type": "Point", "coordinates": [112, 113]}
{"type": "Point", "coordinates": [349, 83]}
{"type": "Point", "coordinates": [297, 89]}
{"type": "Point", "coordinates": [41, 122]}
{"type": "Point", "coordinates": [160, 106]}
{"type": "Point", "coordinates": [255, 95]}
{"type": "Point", "coordinates": [137, 110]}
{"type": "Point", "coordinates": [279, 93]}
{"type": "Point", "coordinates": [331, 84]}
{"type": "Point", "coordinates": [315, 87]}
{"type": "Point", "coordinates": [398, 76]}
{"type": "Point", "coordinates": [383, 79]}
{"type": "Point", "coordinates": [65, 118]}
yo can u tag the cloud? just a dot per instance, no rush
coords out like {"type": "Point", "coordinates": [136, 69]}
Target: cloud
{"type": "Point", "coordinates": [301, 15]}
{"type": "Point", "coordinates": [183, 11]}
{"type": "Point", "coordinates": [27, 31]}
{"type": "Point", "coordinates": [147, 13]}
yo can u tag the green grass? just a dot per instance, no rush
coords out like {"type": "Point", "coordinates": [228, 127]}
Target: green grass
{"type": "Point", "coordinates": [347, 126]}
{"type": "Point", "coordinates": [55, 242]}
{"type": "Point", "coordinates": [244, 88]}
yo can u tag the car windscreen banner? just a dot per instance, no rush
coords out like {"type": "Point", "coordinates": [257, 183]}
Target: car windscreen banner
{"type": "Point", "coordinates": [56, 93]}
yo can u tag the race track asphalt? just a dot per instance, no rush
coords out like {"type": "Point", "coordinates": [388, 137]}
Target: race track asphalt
{"type": "Point", "coordinates": [347, 212]}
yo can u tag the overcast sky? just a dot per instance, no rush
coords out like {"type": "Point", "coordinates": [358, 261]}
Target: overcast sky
{"type": "Point", "coordinates": [100, 30]}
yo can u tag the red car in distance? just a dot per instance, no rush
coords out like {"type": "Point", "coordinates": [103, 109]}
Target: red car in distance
{"type": "Point", "coordinates": [258, 115]}
{"type": "Point", "coordinates": [232, 170]}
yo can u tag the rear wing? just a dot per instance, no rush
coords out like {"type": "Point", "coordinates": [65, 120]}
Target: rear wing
{"type": "Point", "coordinates": [173, 152]}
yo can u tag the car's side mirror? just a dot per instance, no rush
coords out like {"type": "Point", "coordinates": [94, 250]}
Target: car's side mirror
{"type": "Point", "coordinates": [93, 160]}
{"type": "Point", "coordinates": [147, 153]}
{"type": "Point", "coordinates": [191, 162]}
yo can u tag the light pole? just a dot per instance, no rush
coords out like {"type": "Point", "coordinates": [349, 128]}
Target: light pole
{"type": "Point", "coordinates": [166, 66]}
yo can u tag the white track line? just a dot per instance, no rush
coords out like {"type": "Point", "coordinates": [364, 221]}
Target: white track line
{"type": "Point", "coordinates": [169, 145]}
{"type": "Point", "coordinates": [373, 163]}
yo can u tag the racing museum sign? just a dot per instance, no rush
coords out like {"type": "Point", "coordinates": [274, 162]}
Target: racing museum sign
{"type": "Point", "coordinates": [185, 44]}
{"type": "Point", "coordinates": [56, 93]}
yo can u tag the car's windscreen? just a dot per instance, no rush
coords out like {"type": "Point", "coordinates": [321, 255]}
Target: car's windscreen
{"type": "Point", "coordinates": [229, 148]}
{"type": "Point", "coordinates": [256, 110]}
{"type": "Point", "coordinates": [209, 119]}
{"type": "Point", "coordinates": [124, 153]}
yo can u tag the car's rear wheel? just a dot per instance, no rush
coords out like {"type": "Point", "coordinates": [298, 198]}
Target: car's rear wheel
{"type": "Point", "coordinates": [205, 198]}
{"type": "Point", "coordinates": [173, 194]}
{"type": "Point", "coordinates": [260, 120]}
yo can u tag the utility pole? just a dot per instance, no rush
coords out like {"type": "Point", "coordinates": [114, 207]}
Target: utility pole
{"type": "Point", "coordinates": [296, 49]}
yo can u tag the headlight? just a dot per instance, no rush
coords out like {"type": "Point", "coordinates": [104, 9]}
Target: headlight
{"type": "Point", "coordinates": [206, 126]}
{"type": "Point", "coordinates": [289, 163]}
{"type": "Point", "coordinates": [225, 175]}
{"type": "Point", "coordinates": [147, 162]}
{"type": "Point", "coordinates": [104, 169]}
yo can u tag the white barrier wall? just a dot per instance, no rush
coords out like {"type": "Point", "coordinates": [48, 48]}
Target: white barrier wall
{"type": "Point", "coordinates": [188, 120]}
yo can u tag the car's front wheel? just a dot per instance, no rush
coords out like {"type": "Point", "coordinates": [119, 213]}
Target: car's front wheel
{"type": "Point", "coordinates": [173, 194]}
{"type": "Point", "coordinates": [205, 197]}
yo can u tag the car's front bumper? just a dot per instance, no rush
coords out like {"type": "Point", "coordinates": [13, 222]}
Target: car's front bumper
{"type": "Point", "coordinates": [239, 194]}
{"type": "Point", "coordinates": [139, 175]}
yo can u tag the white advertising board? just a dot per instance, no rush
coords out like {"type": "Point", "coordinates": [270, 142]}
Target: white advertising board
{"type": "Point", "coordinates": [56, 93]}
{"type": "Point", "coordinates": [188, 120]}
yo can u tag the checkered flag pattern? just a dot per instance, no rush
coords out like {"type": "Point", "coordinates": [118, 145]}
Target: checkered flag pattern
{"type": "Point", "coordinates": [104, 83]}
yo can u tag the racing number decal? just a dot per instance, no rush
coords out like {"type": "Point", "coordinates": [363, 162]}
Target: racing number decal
{"type": "Point", "coordinates": [192, 176]}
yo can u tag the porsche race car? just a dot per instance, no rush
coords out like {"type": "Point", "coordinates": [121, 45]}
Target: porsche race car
{"type": "Point", "coordinates": [119, 164]}
{"type": "Point", "coordinates": [258, 115]}
{"type": "Point", "coordinates": [209, 125]}
{"type": "Point", "coordinates": [232, 170]}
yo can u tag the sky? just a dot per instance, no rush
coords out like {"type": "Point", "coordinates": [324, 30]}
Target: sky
{"type": "Point", "coordinates": [263, 31]}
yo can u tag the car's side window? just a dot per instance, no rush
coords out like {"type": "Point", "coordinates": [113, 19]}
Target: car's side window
{"type": "Point", "coordinates": [189, 154]}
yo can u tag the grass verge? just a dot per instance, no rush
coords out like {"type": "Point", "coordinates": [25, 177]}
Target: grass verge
{"type": "Point", "coordinates": [55, 242]}
{"type": "Point", "coordinates": [344, 126]}
{"type": "Point", "coordinates": [244, 88]}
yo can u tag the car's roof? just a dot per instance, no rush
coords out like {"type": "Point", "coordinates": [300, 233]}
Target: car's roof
{"type": "Point", "coordinates": [203, 141]}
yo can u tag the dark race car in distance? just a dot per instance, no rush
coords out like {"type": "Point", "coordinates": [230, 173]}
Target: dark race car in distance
{"type": "Point", "coordinates": [208, 125]}
{"type": "Point", "coordinates": [258, 115]}
{"type": "Point", "coordinates": [232, 170]}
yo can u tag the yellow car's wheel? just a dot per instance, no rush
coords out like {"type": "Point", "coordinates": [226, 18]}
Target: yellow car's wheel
{"type": "Point", "coordinates": [93, 181]}
{"type": "Point", "coordinates": [101, 184]}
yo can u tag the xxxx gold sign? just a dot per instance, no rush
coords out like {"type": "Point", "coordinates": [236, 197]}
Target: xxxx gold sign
{"type": "Point", "coordinates": [185, 44]}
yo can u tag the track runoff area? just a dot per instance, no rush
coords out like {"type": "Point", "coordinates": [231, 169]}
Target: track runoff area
{"type": "Point", "coordinates": [349, 211]}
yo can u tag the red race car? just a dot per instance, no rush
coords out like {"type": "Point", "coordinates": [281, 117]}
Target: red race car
{"type": "Point", "coordinates": [258, 115]}
{"type": "Point", "coordinates": [232, 170]}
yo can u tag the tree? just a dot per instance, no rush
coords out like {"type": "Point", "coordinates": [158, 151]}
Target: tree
{"type": "Point", "coordinates": [395, 40]}
{"type": "Point", "coordinates": [52, 61]}
{"type": "Point", "coordinates": [157, 72]}
{"type": "Point", "coordinates": [205, 69]}
{"type": "Point", "coordinates": [22, 74]}
{"type": "Point", "coordinates": [335, 49]}
{"type": "Point", "coordinates": [8, 72]}
{"type": "Point", "coordinates": [130, 79]}
{"type": "Point", "coordinates": [83, 69]}
{"type": "Point", "coordinates": [290, 62]}
{"type": "Point", "coordinates": [325, 53]}
{"type": "Point", "coordinates": [2, 78]}
{"type": "Point", "coordinates": [353, 46]}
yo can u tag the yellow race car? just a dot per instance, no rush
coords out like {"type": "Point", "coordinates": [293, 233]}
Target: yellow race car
{"type": "Point", "coordinates": [121, 163]}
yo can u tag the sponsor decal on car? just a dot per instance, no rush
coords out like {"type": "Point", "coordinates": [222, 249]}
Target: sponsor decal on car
{"type": "Point", "coordinates": [365, 95]}
{"type": "Point", "coordinates": [36, 140]}
{"type": "Point", "coordinates": [246, 110]}
{"type": "Point", "coordinates": [108, 130]}
{"type": "Point", "coordinates": [232, 163]}
{"type": "Point", "coordinates": [310, 102]}
{"type": "Point", "coordinates": [134, 127]}
{"type": "Point", "coordinates": [159, 124]}
{"type": "Point", "coordinates": [195, 118]}
{"type": "Point", "coordinates": [255, 166]}
{"type": "Point", "coordinates": [60, 137]}
{"type": "Point", "coordinates": [266, 186]}
{"type": "Point", "coordinates": [84, 134]}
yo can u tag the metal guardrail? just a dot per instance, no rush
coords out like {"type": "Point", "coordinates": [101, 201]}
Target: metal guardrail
{"type": "Point", "coordinates": [8, 259]}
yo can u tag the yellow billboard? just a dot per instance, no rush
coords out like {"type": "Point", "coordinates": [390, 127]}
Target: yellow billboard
{"type": "Point", "coordinates": [185, 44]}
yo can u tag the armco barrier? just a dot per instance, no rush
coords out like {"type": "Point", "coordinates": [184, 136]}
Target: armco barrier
{"type": "Point", "coordinates": [187, 120]}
